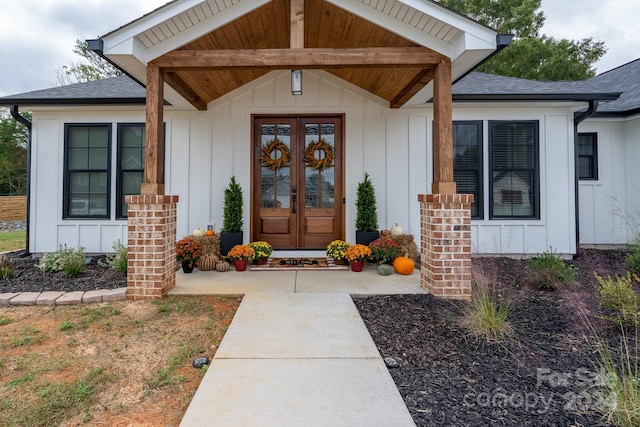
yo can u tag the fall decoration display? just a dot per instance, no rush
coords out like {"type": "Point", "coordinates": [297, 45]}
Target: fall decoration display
{"type": "Point", "coordinates": [210, 244]}
{"type": "Point", "coordinates": [222, 266]}
{"type": "Point", "coordinates": [275, 155]}
{"type": "Point", "coordinates": [188, 250]}
{"type": "Point", "coordinates": [408, 247]}
{"type": "Point", "coordinates": [261, 249]}
{"type": "Point", "coordinates": [396, 230]}
{"type": "Point", "coordinates": [318, 155]}
{"type": "Point", "coordinates": [385, 270]}
{"type": "Point", "coordinates": [198, 232]}
{"type": "Point", "coordinates": [357, 253]}
{"type": "Point", "coordinates": [403, 265]}
{"type": "Point", "coordinates": [210, 232]}
{"type": "Point", "coordinates": [207, 262]}
{"type": "Point", "coordinates": [337, 249]}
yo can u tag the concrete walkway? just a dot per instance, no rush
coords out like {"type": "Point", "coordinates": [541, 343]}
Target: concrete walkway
{"type": "Point", "coordinates": [297, 359]}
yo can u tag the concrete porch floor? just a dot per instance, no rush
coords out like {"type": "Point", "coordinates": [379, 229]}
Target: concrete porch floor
{"type": "Point", "coordinates": [367, 282]}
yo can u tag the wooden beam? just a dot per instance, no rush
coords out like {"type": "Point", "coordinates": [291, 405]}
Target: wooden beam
{"type": "Point", "coordinates": [296, 36]}
{"type": "Point", "coordinates": [418, 82]}
{"type": "Point", "coordinates": [283, 59]}
{"type": "Point", "coordinates": [152, 183]}
{"type": "Point", "coordinates": [443, 182]}
{"type": "Point", "coordinates": [183, 89]}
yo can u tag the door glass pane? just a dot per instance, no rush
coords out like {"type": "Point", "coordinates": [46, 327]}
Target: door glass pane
{"type": "Point", "coordinates": [319, 154]}
{"type": "Point", "coordinates": [275, 158]}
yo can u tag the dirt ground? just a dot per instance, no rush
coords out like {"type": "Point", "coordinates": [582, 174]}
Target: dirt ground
{"type": "Point", "coordinates": [142, 350]}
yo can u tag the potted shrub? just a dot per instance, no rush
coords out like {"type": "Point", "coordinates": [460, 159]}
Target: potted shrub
{"type": "Point", "coordinates": [188, 251]}
{"type": "Point", "coordinates": [241, 254]}
{"type": "Point", "coordinates": [357, 255]}
{"type": "Point", "coordinates": [366, 212]}
{"type": "Point", "coordinates": [261, 252]}
{"type": "Point", "coordinates": [232, 222]}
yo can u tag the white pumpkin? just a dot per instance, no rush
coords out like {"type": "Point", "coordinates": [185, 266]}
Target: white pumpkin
{"type": "Point", "coordinates": [198, 232]}
{"type": "Point", "coordinates": [396, 230]}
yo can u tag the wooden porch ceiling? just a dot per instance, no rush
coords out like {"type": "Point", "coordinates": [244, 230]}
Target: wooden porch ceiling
{"type": "Point", "coordinates": [324, 37]}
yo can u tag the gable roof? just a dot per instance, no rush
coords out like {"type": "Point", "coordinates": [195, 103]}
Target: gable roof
{"type": "Point", "coordinates": [193, 27]}
{"type": "Point", "coordinates": [625, 79]}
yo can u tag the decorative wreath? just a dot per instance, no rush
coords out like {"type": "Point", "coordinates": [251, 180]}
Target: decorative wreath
{"type": "Point", "coordinates": [323, 162]}
{"type": "Point", "coordinates": [270, 159]}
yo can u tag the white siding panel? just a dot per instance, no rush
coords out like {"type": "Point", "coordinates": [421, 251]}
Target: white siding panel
{"type": "Point", "coordinates": [46, 191]}
{"type": "Point", "coordinates": [109, 234]}
{"type": "Point", "coordinates": [310, 91]}
{"type": "Point", "coordinates": [417, 173]}
{"type": "Point", "coordinates": [68, 235]}
{"type": "Point", "coordinates": [264, 94]}
{"type": "Point", "coordinates": [199, 172]}
{"type": "Point", "coordinates": [489, 239]}
{"type": "Point", "coordinates": [398, 178]}
{"type": "Point", "coordinates": [179, 149]}
{"type": "Point", "coordinates": [330, 94]}
{"type": "Point", "coordinates": [89, 237]}
{"type": "Point", "coordinates": [536, 239]}
{"type": "Point", "coordinates": [222, 160]}
{"type": "Point", "coordinates": [512, 239]}
{"type": "Point", "coordinates": [587, 218]}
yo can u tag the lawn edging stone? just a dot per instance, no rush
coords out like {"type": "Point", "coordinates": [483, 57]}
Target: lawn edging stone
{"type": "Point", "coordinates": [62, 298]}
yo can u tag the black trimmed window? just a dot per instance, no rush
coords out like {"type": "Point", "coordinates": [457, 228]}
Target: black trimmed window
{"type": "Point", "coordinates": [87, 171]}
{"type": "Point", "coordinates": [514, 169]}
{"type": "Point", "coordinates": [467, 162]}
{"type": "Point", "coordinates": [131, 138]}
{"type": "Point", "coordinates": [588, 156]}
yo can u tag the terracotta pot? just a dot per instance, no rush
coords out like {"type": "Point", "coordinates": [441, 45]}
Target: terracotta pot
{"type": "Point", "coordinates": [187, 267]}
{"type": "Point", "coordinates": [240, 264]}
{"type": "Point", "coordinates": [357, 266]}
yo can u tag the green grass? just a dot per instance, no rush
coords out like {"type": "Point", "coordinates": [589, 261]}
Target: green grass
{"type": "Point", "coordinates": [166, 376]}
{"type": "Point", "coordinates": [12, 240]}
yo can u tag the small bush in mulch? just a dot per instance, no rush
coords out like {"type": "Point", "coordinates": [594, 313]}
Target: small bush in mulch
{"type": "Point", "coordinates": [633, 259]}
{"type": "Point", "coordinates": [619, 296]}
{"type": "Point", "coordinates": [548, 272]}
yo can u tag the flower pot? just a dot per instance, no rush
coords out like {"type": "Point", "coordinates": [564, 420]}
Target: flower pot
{"type": "Point", "coordinates": [240, 264]}
{"type": "Point", "coordinates": [340, 261]}
{"type": "Point", "coordinates": [228, 240]}
{"type": "Point", "coordinates": [187, 267]}
{"type": "Point", "coordinates": [260, 261]}
{"type": "Point", "coordinates": [366, 237]}
{"type": "Point", "coordinates": [357, 265]}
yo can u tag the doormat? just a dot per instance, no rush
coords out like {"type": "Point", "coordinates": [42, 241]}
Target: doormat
{"type": "Point", "coordinates": [274, 264]}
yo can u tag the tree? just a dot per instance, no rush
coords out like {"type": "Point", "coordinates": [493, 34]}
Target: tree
{"type": "Point", "coordinates": [94, 67]}
{"type": "Point", "coordinates": [530, 55]}
{"type": "Point", "coordinates": [14, 139]}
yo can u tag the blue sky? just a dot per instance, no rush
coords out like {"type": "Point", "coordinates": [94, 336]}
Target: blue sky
{"type": "Point", "coordinates": [37, 36]}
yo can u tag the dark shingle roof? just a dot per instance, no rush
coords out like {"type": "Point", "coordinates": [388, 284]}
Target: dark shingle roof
{"type": "Point", "coordinates": [625, 79]}
{"type": "Point", "coordinates": [112, 91]}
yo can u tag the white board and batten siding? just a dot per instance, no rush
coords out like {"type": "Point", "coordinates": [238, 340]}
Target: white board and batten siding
{"type": "Point", "coordinates": [610, 205]}
{"type": "Point", "coordinates": [204, 149]}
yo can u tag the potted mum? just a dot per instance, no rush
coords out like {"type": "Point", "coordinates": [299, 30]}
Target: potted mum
{"type": "Point", "coordinates": [261, 252]}
{"type": "Point", "coordinates": [357, 255]}
{"type": "Point", "coordinates": [188, 251]}
{"type": "Point", "coordinates": [337, 250]}
{"type": "Point", "coordinates": [384, 250]}
{"type": "Point", "coordinates": [240, 254]}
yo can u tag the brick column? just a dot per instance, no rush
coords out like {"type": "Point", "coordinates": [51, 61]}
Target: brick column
{"type": "Point", "coordinates": [445, 231]}
{"type": "Point", "coordinates": [151, 270]}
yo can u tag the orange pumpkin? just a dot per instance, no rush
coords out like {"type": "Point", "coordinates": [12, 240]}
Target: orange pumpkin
{"type": "Point", "coordinates": [403, 265]}
{"type": "Point", "coordinates": [210, 232]}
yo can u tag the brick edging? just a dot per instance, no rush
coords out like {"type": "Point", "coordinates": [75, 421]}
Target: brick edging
{"type": "Point", "coordinates": [14, 299]}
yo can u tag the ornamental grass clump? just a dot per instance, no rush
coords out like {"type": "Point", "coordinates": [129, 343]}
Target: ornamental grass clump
{"type": "Point", "coordinates": [261, 249]}
{"type": "Point", "coordinates": [337, 249]}
{"type": "Point", "coordinates": [619, 296]}
{"type": "Point", "coordinates": [6, 267]}
{"type": "Point", "coordinates": [548, 272]}
{"type": "Point", "coordinates": [357, 253]}
{"type": "Point", "coordinates": [241, 252]}
{"type": "Point", "coordinates": [384, 250]}
{"type": "Point", "coordinates": [188, 250]}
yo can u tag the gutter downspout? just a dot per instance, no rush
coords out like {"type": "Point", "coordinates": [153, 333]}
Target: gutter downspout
{"type": "Point", "coordinates": [16, 115]}
{"type": "Point", "coordinates": [577, 119]}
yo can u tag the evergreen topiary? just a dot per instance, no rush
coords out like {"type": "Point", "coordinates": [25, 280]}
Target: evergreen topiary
{"type": "Point", "coordinates": [367, 214]}
{"type": "Point", "coordinates": [232, 215]}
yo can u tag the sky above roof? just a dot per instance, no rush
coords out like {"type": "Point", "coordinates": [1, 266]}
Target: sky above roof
{"type": "Point", "coordinates": [37, 36]}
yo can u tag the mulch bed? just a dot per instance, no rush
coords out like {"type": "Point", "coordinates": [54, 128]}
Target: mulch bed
{"type": "Point", "coordinates": [542, 377]}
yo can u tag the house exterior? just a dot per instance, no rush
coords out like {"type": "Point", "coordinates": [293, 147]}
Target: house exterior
{"type": "Point", "coordinates": [376, 98]}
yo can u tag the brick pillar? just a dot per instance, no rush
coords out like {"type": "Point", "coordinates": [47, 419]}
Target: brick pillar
{"type": "Point", "coordinates": [151, 270]}
{"type": "Point", "coordinates": [445, 231]}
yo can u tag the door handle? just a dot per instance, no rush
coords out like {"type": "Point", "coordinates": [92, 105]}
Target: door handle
{"type": "Point", "coordinates": [293, 202]}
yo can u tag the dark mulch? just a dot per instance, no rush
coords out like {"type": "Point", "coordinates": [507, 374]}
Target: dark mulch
{"type": "Point", "coordinates": [541, 378]}
{"type": "Point", "coordinates": [27, 277]}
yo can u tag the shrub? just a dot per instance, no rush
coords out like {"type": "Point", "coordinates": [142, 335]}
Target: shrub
{"type": "Point", "coordinates": [6, 267]}
{"type": "Point", "coordinates": [618, 295]}
{"type": "Point", "coordinates": [366, 209]}
{"type": "Point", "coordinates": [548, 272]}
{"type": "Point", "coordinates": [117, 260]}
{"type": "Point", "coordinates": [337, 249]}
{"type": "Point", "coordinates": [69, 260]}
{"type": "Point", "coordinates": [384, 250]}
{"type": "Point", "coordinates": [633, 259]}
{"type": "Point", "coordinates": [233, 205]}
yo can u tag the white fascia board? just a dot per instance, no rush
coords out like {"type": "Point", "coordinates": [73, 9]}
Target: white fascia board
{"type": "Point", "coordinates": [210, 24]}
{"type": "Point", "coordinates": [130, 47]}
{"type": "Point", "coordinates": [466, 43]}
{"type": "Point", "coordinates": [394, 25]}
{"type": "Point", "coordinates": [146, 22]}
